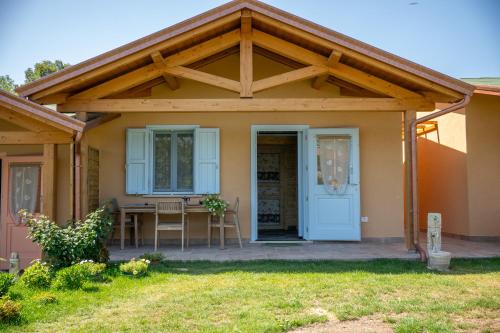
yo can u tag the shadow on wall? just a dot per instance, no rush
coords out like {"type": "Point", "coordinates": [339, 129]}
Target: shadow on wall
{"type": "Point", "coordinates": [442, 174]}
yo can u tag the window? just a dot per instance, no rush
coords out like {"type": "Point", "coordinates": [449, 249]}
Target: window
{"type": "Point", "coordinates": [164, 159]}
{"type": "Point", "coordinates": [25, 188]}
{"type": "Point", "coordinates": [173, 154]}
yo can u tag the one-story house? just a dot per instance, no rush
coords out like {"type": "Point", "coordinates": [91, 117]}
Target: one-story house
{"type": "Point", "coordinates": [301, 123]}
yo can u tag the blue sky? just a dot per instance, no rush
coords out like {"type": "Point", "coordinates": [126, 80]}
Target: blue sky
{"type": "Point", "coordinates": [457, 37]}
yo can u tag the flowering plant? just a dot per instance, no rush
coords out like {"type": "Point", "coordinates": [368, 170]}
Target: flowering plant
{"type": "Point", "coordinates": [215, 205]}
{"type": "Point", "coordinates": [135, 267]}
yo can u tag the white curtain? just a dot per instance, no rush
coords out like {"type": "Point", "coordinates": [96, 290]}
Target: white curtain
{"type": "Point", "coordinates": [334, 162]}
{"type": "Point", "coordinates": [24, 188]}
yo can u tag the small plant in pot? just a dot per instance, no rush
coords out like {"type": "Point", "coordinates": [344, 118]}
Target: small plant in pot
{"type": "Point", "coordinates": [215, 205]}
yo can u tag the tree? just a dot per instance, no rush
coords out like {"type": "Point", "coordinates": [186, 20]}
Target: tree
{"type": "Point", "coordinates": [7, 84]}
{"type": "Point", "coordinates": [42, 69]}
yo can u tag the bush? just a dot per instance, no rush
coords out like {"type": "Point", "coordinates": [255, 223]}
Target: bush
{"type": "Point", "coordinates": [10, 311]}
{"type": "Point", "coordinates": [6, 280]}
{"type": "Point", "coordinates": [77, 241]}
{"type": "Point", "coordinates": [45, 298]}
{"type": "Point", "coordinates": [71, 277]}
{"type": "Point", "coordinates": [153, 257]}
{"type": "Point", "coordinates": [135, 267]}
{"type": "Point", "coordinates": [36, 276]}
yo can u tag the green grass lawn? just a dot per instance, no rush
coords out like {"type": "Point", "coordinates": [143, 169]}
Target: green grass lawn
{"type": "Point", "coordinates": [275, 296]}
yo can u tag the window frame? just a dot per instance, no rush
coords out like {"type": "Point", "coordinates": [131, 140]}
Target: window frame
{"type": "Point", "coordinates": [173, 129]}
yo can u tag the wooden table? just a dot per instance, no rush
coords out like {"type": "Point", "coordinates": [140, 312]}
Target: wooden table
{"type": "Point", "coordinates": [151, 209]}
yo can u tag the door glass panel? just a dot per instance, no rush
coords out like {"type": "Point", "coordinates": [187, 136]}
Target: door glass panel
{"type": "Point", "coordinates": [162, 157]}
{"type": "Point", "coordinates": [333, 160]}
{"type": "Point", "coordinates": [24, 188]}
{"type": "Point", "coordinates": [185, 161]}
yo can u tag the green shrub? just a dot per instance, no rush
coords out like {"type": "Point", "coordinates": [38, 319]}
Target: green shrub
{"type": "Point", "coordinates": [10, 311]}
{"type": "Point", "coordinates": [36, 276]}
{"type": "Point", "coordinates": [45, 298]}
{"type": "Point", "coordinates": [135, 267]}
{"type": "Point", "coordinates": [153, 257]}
{"type": "Point", "coordinates": [77, 241]}
{"type": "Point", "coordinates": [93, 270]}
{"type": "Point", "coordinates": [72, 277]}
{"type": "Point", "coordinates": [14, 295]}
{"type": "Point", "coordinates": [6, 280]}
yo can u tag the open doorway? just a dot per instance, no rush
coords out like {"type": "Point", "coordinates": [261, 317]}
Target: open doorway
{"type": "Point", "coordinates": [277, 186]}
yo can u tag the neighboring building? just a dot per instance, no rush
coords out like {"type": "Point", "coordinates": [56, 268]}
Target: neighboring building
{"type": "Point", "coordinates": [459, 169]}
{"type": "Point", "coordinates": [302, 123]}
{"type": "Point", "coordinates": [36, 169]}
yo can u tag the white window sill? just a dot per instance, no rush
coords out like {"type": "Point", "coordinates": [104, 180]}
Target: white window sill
{"type": "Point", "coordinates": [174, 194]}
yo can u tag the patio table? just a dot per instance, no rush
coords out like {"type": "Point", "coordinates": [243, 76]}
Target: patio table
{"type": "Point", "coordinates": [151, 209]}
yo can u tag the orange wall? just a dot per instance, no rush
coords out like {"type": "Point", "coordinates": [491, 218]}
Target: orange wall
{"type": "Point", "coordinates": [442, 173]}
{"type": "Point", "coordinates": [483, 165]}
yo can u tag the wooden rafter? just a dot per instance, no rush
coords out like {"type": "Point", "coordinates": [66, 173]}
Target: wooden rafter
{"type": "Point", "coordinates": [333, 59]}
{"type": "Point", "coordinates": [246, 54]}
{"type": "Point", "coordinates": [101, 120]}
{"type": "Point", "coordinates": [342, 71]}
{"type": "Point", "coordinates": [24, 121]}
{"type": "Point", "coordinates": [31, 138]}
{"type": "Point", "coordinates": [171, 81]}
{"type": "Point", "coordinates": [210, 79]}
{"type": "Point", "coordinates": [288, 77]}
{"type": "Point", "coordinates": [246, 104]}
{"type": "Point", "coordinates": [152, 71]}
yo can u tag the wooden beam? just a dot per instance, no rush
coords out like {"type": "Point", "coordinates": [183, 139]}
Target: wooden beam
{"type": "Point", "coordinates": [171, 81]}
{"type": "Point", "coordinates": [247, 104]}
{"type": "Point", "coordinates": [142, 90]}
{"type": "Point", "coordinates": [48, 180]}
{"type": "Point", "coordinates": [100, 120]}
{"type": "Point", "coordinates": [313, 37]}
{"type": "Point", "coordinates": [246, 54]}
{"type": "Point", "coordinates": [33, 138]}
{"type": "Point", "coordinates": [127, 54]}
{"type": "Point", "coordinates": [207, 78]}
{"type": "Point", "coordinates": [149, 72]}
{"type": "Point", "coordinates": [409, 116]}
{"type": "Point", "coordinates": [288, 77]}
{"type": "Point", "coordinates": [54, 99]}
{"type": "Point", "coordinates": [341, 71]}
{"type": "Point", "coordinates": [333, 59]}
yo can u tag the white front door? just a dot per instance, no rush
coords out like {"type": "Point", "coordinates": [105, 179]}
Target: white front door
{"type": "Point", "coordinates": [333, 177]}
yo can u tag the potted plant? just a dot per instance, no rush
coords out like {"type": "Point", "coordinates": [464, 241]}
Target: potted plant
{"type": "Point", "coordinates": [215, 205]}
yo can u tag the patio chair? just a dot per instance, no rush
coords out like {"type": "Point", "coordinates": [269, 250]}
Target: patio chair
{"type": "Point", "coordinates": [233, 222]}
{"type": "Point", "coordinates": [171, 207]}
{"type": "Point", "coordinates": [132, 223]}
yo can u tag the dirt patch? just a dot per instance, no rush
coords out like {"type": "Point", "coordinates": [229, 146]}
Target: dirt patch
{"type": "Point", "coordinates": [333, 325]}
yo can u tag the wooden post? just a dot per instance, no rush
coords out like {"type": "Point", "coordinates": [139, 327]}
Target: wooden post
{"type": "Point", "coordinates": [409, 116]}
{"type": "Point", "coordinates": [246, 56]}
{"type": "Point", "coordinates": [72, 179]}
{"type": "Point", "coordinates": [48, 177]}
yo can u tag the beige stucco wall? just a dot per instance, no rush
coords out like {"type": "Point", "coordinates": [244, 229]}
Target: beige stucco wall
{"type": "Point", "coordinates": [381, 171]}
{"type": "Point", "coordinates": [483, 165]}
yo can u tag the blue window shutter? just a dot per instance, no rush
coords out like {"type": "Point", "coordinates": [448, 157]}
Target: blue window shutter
{"type": "Point", "coordinates": [137, 165]}
{"type": "Point", "coordinates": [206, 161]}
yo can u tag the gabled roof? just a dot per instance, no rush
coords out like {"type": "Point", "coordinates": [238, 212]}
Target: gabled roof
{"type": "Point", "coordinates": [40, 113]}
{"type": "Point", "coordinates": [225, 18]}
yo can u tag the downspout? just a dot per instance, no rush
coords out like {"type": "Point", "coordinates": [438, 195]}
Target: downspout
{"type": "Point", "coordinates": [414, 176]}
{"type": "Point", "coordinates": [76, 183]}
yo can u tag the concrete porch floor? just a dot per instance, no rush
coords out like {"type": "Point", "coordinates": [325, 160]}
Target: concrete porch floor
{"type": "Point", "coordinates": [310, 251]}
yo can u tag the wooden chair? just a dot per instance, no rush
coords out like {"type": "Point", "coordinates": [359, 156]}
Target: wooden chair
{"type": "Point", "coordinates": [132, 223]}
{"type": "Point", "coordinates": [171, 207]}
{"type": "Point", "coordinates": [233, 222]}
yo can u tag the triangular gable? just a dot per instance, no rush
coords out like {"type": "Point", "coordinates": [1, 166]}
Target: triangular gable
{"type": "Point", "coordinates": [224, 19]}
{"type": "Point", "coordinates": [33, 111]}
